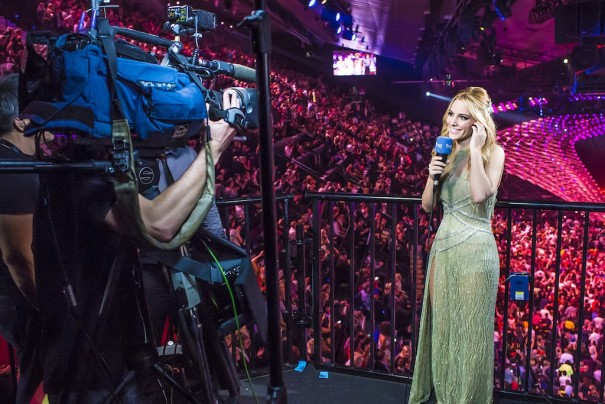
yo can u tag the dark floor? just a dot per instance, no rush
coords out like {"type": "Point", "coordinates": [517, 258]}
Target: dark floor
{"type": "Point", "coordinates": [6, 387]}
{"type": "Point", "coordinates": [306, 387]}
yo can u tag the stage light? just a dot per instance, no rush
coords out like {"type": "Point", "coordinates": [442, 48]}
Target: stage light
{"type": "Point", "coordinates": [312, 3]}
{"type": "Point", "coordinates": [503, 8]}
{"type": "Point", "coordinates": [327, 14]}
{"type": "Point", "coordinates": [334, 26]}
{"type": "Point", "coordinates": [348, 35]}
{"type": "Point", "coordinates": [347, 20]}
{"type": "Point", "coordinates": [439, 97]}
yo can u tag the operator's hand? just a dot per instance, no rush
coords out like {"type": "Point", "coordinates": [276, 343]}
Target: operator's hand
{"type": "Point", "coordinates": [436, 166]}
{"type": "Point", "coordinates": [221, 132]}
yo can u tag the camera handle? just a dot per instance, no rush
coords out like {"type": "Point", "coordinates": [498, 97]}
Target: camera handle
{"type": "Point", "coordinates": [259, 24]}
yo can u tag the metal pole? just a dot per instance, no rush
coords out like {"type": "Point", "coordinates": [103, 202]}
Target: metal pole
{"type": "Point", "coordinates": [258, 22]}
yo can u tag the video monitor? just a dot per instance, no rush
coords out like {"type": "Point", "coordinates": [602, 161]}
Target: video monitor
{"type": "Point", "coordinates": [353, 63]}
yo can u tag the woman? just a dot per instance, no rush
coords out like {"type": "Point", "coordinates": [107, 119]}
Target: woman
{"type": "Point", "coordinates": [455, 349]}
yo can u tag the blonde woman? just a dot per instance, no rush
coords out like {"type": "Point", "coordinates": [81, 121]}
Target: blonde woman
{"type": "Point", "coordinates": [455, 346]}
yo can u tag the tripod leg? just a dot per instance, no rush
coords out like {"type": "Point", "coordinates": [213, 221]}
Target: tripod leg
{"type": "Point", "coordinates": [227, 363]}
{"type": "Point", "coordinates": [143, 356]}
{"type": "Point", "coordinates": [187, 297]}
{"type": "Point", "coordinates": [147, 357]}
{"type": "Point", "coordinates": [159, 369]}
{"type": "Point", "coordinates": [223, 366]}
{"type": "Point", "coordinates": [194, 337]}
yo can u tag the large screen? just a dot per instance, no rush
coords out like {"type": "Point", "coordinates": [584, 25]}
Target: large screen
{"type": "Point", "coordinates": [353, 63]}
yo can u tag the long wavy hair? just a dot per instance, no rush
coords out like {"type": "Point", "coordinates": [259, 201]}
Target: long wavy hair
{"type": "Point", "coordinates": [480, 109]}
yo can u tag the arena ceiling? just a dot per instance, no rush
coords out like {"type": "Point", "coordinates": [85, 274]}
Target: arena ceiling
{"type": "Point", "coordinates": [416, 31]}
{"type": "Point", "coordinates": [473, 42]}
{"type": "Point", "coordinates": [470, 41]}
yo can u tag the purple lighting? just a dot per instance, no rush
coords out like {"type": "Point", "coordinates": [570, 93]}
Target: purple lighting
{"type": "Point", "coordinates": [508, 106]}
{"type": "Point", "coordinates": [547, 146]}
{"type": "Point", "coordinates": [586, 97]}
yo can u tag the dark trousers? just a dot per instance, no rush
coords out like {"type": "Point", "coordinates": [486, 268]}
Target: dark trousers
{"type": "Point", "coordinates": [19, 325]}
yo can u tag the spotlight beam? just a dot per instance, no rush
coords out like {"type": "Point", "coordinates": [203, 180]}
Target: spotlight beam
{"type": "Point", "coordinates": [439, 97]}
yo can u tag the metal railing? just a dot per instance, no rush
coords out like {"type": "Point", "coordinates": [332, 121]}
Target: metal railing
{"type": "Point", "coordinates": [353, 280]}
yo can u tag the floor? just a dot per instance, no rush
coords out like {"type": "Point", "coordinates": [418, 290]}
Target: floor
{"type": "Point", "coordinates": [308, 387]}
{"type": "Point", "coordinates": [312, 386]}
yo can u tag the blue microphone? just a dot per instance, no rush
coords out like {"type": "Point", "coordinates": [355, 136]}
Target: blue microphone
{"type": "Point", "coordinates": [443, 148]}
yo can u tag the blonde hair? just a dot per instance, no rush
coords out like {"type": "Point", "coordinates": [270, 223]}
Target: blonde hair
{"type": "Point", "coordinates": [480, 108]}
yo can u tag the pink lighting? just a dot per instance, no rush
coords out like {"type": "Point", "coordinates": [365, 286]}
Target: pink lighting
{"type": "Point", "coordinates": [542, 151]}
{"type": "Point", "coordinates": [507, 106]}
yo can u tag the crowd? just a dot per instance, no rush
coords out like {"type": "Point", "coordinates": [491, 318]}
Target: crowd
{"type": "Point", "coordinates": [11, 48]}
{"type": "Point", "coordinates": [332, 139]}
{"type": "Point", "coordinates": [566, 314]}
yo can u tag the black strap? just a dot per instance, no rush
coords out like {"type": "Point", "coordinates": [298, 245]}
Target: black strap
{"type": "Point", "coordinates": [435, 188]}
{"type": "Point", "coordinates": [106, 36]}
{"type": "Point", "coordinates": [126, 184]}
{"type": "Point", "coordinates": [194, 77]}
{"type": "Point", "coordinates": [233, 116]}
{"type": "Point", "coordinates": [205, 270]}
{"type": "Point", "coordinates": [167, 172]}
{"type": "Point", "coordinates": [13, 148]}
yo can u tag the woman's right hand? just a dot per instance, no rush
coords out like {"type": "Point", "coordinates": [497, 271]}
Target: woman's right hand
{"type": "Point", "coordinates": [436, 166]}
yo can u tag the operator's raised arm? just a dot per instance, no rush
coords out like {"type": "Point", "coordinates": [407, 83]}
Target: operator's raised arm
{"type": "Point", "coordinates": [164, 215]}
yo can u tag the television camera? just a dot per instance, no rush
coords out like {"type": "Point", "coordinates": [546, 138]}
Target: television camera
{"type": "Point", "coordinates": [90, 71]}
{"type": "Point", "coordinates": [184, 20]}
{"type": "Point", "coordinates": [164, 102]}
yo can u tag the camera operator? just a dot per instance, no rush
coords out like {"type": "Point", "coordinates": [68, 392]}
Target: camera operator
{"type": "Point", "coordinates": [172, 165]}
{"type": "Point", "coordinates": [79, 240]}
{"type": "Point", "coordinates": [18, 299]}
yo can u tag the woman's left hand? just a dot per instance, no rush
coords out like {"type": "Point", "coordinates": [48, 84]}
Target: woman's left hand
{"type": "Point", "coordinates": [478, 137]}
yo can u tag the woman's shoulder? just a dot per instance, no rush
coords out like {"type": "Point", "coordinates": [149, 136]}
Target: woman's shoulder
{"type": "Point", "coordinates": [497, 153]}
{"type": "Point", "coordinates": [496, 148]}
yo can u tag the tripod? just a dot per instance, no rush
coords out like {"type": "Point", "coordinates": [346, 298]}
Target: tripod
{"type": "Point", "coordinates": [123, 308]}
{"type": "Point", "coordinates": [144, 356]}
{"type": "Point", "coordinates": [231, 296]}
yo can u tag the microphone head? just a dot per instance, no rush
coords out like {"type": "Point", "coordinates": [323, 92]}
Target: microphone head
{"type": "Point", "coordinates": [444, 145]}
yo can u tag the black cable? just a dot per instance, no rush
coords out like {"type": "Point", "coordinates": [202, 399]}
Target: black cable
{"type": "Point", "coordinates": [435, 185]}
{"type": "Point", "coordinates": [125, 380]}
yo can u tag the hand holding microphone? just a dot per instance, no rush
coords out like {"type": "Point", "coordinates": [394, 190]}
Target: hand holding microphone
{"type": "Point", "coordinates": [443, 148]}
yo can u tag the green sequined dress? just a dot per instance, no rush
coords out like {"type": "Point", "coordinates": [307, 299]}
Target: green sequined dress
{"type": "Point", "coordinates": [455, 354]}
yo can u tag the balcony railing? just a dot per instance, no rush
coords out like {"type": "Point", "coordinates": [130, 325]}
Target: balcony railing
{"type": "Point", "coordinates": [353, 280]}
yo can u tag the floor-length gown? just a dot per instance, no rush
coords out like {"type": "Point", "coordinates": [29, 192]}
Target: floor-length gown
{"type": "Point", "coordinates": [455, 348]}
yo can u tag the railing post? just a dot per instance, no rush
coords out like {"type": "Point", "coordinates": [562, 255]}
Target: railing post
{"type": "Point", "coordinates": [302, 320]}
